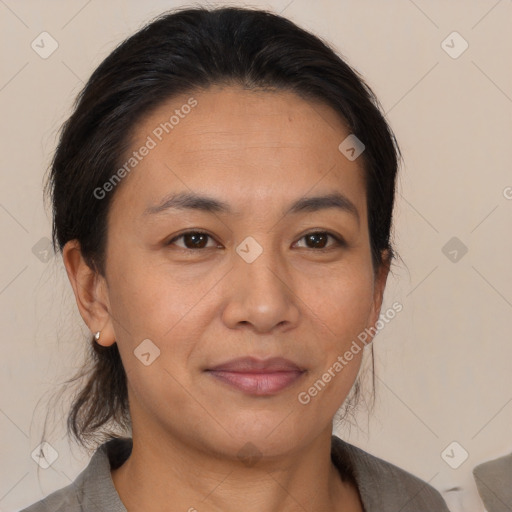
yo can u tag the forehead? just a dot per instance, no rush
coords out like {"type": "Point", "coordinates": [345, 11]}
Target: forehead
{"type": "Point", "coordinates": [242, 143]}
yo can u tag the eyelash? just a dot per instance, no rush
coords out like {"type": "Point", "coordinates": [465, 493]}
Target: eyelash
{"type": "Point", "coordinates": [339, 242]}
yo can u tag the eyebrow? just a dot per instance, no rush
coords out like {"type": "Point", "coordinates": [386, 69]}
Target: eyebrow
{"type": "Point", "coordinates": [193, 201]}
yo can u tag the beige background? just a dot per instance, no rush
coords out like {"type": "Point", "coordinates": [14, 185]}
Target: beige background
{"type": "Point", "coordinates": [443, 364]}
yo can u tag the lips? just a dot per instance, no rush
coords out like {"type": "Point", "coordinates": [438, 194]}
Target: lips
{"type": "Point", "coordinates": [257, 377]}
{"type": "Point", "coordinates": [253, 365]}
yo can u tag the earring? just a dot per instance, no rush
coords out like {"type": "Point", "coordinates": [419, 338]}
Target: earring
{"type": "Point", "coordinates": [97, 336]}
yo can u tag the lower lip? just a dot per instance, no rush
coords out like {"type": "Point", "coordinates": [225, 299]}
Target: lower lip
{"type": "Point", "coordinates": [260, 384]}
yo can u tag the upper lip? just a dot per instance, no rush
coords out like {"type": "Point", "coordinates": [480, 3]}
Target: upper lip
{"type": "Point", "coordinates": [255, 365]}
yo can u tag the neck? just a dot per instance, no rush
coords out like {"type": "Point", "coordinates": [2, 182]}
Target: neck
{"type": "Point", "coordinates": [159, 473]}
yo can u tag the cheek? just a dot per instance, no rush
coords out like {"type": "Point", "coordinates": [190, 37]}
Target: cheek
{"type": "Point", "coordinates": [338, 308]}
{"type": "Point", "coordinates": [341, 303]}
{"type": "Point", "coordinates": [342, 316]}
{"type": "Point", "coordinates": [149, 302]}
{"type": "Point", "coordinates": [144, 300]}
{"type": "Point", "coordinates": [147, 306]}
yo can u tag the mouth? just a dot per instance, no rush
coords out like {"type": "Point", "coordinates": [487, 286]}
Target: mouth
{"type": "Point", "coordinates": [258, 377]}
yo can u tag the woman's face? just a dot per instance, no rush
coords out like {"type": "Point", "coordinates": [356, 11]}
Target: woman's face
{"type": "Point", "coordinates": [254, 286]}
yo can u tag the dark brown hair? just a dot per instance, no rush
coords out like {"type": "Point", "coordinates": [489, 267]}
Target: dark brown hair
{"type": "Point", "coordinates": [179, 52]}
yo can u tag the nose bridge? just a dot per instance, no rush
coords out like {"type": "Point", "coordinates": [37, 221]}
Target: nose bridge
{"type": "Point", "coordinates": [260, 294]}
{"type": "Point", "coordinates": [259, 261]}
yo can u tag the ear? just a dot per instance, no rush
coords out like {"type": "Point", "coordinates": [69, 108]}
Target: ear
{"type": "Point", "coordinates": [91, 293]}
{"type": "Point", "coordinates": [379, 286]}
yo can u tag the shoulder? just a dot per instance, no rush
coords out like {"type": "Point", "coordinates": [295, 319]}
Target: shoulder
{"type": "Point", "coordinates": [384, 486]}
{"type": "Point", "coordinates": [92, 489]}
{"type": "Point", "coordinates": [63, 500]}
{"type": "Point", "coordinates": [492, 480]}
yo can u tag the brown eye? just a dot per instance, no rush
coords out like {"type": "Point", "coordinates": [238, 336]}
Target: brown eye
{"type": "Point", "coordinates": [192, 240]}
{"type": "Point", "coordinates": [319, 239]}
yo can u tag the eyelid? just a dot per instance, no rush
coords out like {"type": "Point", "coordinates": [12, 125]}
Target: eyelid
{"type": "Point", "coordinates": [190, 231]}
{"type": "Point", "coordinates": [338, 240]}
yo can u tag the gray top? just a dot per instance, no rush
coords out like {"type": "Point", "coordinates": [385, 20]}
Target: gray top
{"type": "Point", "coordinates": [383, 486]}
{"type": "Point", "coordinates": [494, 483]}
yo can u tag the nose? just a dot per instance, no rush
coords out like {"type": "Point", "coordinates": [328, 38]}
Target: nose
{"type": "Point", "coordinates": [260, 290]}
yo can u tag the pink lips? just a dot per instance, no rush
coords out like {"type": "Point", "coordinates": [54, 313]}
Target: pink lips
{"type": "Point", "coordinates": [258, 377]}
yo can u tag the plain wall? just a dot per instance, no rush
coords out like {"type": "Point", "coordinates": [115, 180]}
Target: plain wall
{"type": "Point", "coordinates": [443, 364]}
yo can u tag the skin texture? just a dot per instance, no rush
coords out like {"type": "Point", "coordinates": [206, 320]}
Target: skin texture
{"type": "Point", "coordinates": [258, 151]}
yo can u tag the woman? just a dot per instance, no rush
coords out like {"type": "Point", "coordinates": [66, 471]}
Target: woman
{"type": "Point", "coordinates": [223, 197]}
